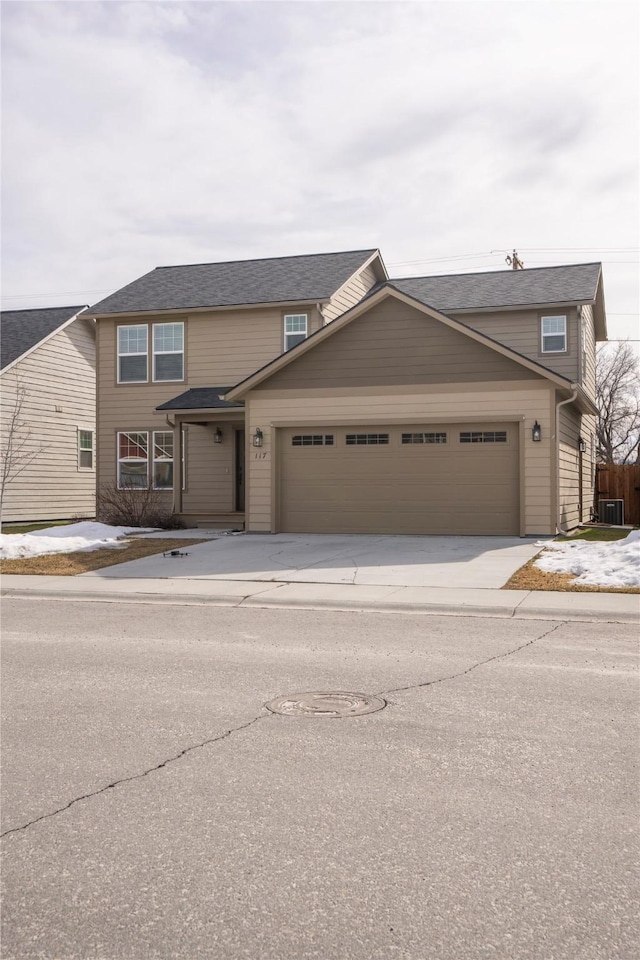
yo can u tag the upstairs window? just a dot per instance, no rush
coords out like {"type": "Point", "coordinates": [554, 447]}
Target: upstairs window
{"type": "Point", "coordinates": [168, 351]}
{"type": "Point", "coordinates": [132, 354]}
{"type": "Point", "coordinates": [554, 334]}
{"type": "Point", "coordinates": [295, 329]}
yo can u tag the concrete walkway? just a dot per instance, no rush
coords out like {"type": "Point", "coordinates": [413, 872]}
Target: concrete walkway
{"type": "Point", "coordinates": [454, 576]}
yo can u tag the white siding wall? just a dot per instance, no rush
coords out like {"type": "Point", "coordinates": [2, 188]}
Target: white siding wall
{"type": "Point", "coordinates": [60, 398]}
{"type": "Point", "coordinates": [351, 293]}
{"type": "Point", "coordinates": [531, 401]}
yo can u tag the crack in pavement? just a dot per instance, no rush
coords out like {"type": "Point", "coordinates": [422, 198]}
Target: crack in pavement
{"type": "Point", "coordinates": [264, 716]}
{"type": "Point", "coordinates": [480, 663]}
{"type": "Point", "coordinates": [137, 776]}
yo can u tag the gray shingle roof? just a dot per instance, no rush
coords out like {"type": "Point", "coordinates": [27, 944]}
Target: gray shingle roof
{"type": "Point", "coordinates": [504, 288]}
{"type": "Point", "coordinates": [198, 398]}
{"type": "Point", "coordinates": [21, 330]}
{"type": "Point", "coordinates": [278, 279]}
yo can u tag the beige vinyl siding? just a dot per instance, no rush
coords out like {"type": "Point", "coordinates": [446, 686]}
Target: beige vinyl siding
{"type": "Point", "coordinates": [588, 378]}
{"type": "Point", "coordinates": [221, 348]}
{"type": "Point", "coordinates": [59, 377]}
{"type": "Point", "coordinates": [394, 343]}
{"type": "Point", "coordinates": [210, 469]}
{"type": "Point", "coordinates": [520, 330]}
{"type": "Point", "coordinates": [350, 293]}
{"type": "Point", "coordinates": [572, 426]}
{"type": "Point", "coordinates": [521, 402]}
{"type": "Point", "coordinates": [568, 459]}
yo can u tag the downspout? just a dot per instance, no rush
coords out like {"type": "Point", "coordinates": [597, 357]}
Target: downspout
{"type": "Point", "coordinates": [562, 403]}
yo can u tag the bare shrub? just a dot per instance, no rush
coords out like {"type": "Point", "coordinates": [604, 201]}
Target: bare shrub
{"type": "Point", "coordinates": [135, 507]}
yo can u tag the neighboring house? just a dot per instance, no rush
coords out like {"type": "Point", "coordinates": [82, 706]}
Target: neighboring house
{"type": "Point", "coordinates": [48, 409]}
{"type": "Point", "coordinates": [431, 405]}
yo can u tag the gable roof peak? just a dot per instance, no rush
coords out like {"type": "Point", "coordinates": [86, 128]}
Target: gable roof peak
{"type": "Point", "coordinates": [24, 330]}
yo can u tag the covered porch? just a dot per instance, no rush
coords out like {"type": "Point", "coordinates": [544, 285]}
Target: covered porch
{"type": "Point", "coordinates": [209, 441]}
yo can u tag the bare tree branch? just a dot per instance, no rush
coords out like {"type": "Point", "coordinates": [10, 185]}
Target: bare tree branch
{"type": "Point", "coordinates": [618, 400]}
{"type": "Point", "coordinates": [18, 448]}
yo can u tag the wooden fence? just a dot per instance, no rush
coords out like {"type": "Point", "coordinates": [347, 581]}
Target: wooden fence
{"type": "Point", "coordinates": [616, 481]}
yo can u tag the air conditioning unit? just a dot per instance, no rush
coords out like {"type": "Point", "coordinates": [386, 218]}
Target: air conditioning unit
{"type": "Point", "coordinates": [611, 511]}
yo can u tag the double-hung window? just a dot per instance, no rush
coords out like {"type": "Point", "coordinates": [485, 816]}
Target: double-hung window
{"type": "Point", "coordinates": [133, 460]}
{"type": "Point", "coordinates": [168, 351]}
{"type": "Point", "coordinates": [85, 449]}
{"type": "Point", "coordinates": [554, 334]}
{"type": "Point", "coordinates": [137, 465]}
{"type": "Point", "coordinates": [133, 348]}
{"type": "Point", "coordinates": [295, 329]}
{"type": "Point", "coordinates": [167, 362]}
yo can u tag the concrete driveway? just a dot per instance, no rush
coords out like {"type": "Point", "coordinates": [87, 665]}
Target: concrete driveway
{"type": "Point", "coordinates": [459, 562]}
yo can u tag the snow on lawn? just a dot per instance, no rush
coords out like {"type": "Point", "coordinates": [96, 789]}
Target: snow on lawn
{"type": "Point", "coordinates": [612, 564]}
{"type": "Point", "coordinates": [65, 539]}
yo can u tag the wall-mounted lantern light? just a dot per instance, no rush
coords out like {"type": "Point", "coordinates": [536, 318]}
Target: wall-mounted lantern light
{"type": "Point", "coordinates": [217, 436]}
{"type": "Point", "coordinates": [257, 437]}
{"type": "Point", "coordinates": [582, 445]}
{"type": "Point", "coordinates": [536, 432]}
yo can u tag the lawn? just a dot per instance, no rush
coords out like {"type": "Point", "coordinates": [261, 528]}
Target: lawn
{"type": "Point", "coordinates": [82, 561]}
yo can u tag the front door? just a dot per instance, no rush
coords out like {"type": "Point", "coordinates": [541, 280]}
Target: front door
{"type": "Point", "coordinates": [239, 498]}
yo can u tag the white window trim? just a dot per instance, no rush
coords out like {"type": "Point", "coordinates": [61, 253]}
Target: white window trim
{"type": "Point", "coordinates": [162, 353]}
{"type": "Point", "coordinates": [120, 459]}
{"type": "Point", "coordinates": [290, 316]}
{"type": "Point", "coordinates": [557, 316]}
{"type": "Point", "coordinates": [92, 431]}
{"type": "Point", "coordinates": [123, 326]}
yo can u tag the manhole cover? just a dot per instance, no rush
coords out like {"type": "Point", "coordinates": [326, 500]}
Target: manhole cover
{"type": "Point", "coordinates": [322, 704]}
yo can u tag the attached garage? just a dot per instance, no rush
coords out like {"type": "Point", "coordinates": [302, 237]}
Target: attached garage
{"type": "Point", "coordinates": [449, 478]}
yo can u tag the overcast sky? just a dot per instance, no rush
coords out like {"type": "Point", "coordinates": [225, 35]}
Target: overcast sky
{"type": "Point", "coordinates": [446, 133]}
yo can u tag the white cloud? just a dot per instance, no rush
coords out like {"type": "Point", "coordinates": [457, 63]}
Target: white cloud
{"type": "Point", "coordinates": [138, 134]}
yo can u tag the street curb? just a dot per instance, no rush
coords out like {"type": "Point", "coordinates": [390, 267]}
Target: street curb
{"type": "Point", "coordinates": [259, 600]}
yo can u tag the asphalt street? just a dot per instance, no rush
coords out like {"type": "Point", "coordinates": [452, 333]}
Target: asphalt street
{"type": "Point", "coordinates": [154, 808]}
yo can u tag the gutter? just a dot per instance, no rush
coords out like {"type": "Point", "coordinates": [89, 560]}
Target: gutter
{"type": "Point", "coordinates": [561, 403]}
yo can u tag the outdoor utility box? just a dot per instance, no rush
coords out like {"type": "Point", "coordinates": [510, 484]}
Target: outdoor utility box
{"type": "Point", "coordinates": [611, 511]}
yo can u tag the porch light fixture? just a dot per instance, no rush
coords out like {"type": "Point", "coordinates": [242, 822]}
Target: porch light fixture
{"type": "Point", "coordinates": [582, 445]}
{"type": "Point", "coordinates": [536, 432]}
{"type": "Point", "coordinates": [217, 436]}
{"type": "Point", "coordinates": [257, 437]}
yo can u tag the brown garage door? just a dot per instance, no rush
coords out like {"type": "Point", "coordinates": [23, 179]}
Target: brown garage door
{"type": "Point", "coordinates": [412, 479]}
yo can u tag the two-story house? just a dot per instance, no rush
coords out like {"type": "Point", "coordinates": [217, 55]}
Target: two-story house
{"type": "Point", "coordinates": [313, 394]}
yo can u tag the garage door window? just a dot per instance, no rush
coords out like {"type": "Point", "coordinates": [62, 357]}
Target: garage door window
{"type": "Point", "coordinates": [424, 438]}
{"type": "Point", "coordinates": [312, 440]}
{"type": "Point", "coordinates": [366, 439]}
{"type": "Point", "coordinates": [484, 436]}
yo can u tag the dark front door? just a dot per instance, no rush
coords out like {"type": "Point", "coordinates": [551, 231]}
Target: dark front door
{"type": "Point", "coordinates": [240, 470]}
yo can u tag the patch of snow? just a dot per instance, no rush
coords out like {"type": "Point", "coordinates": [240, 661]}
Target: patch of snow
{"type": "Point", "coordinates": [86, 535]}
{"type": "Point", "coordinates": [610, 564]}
